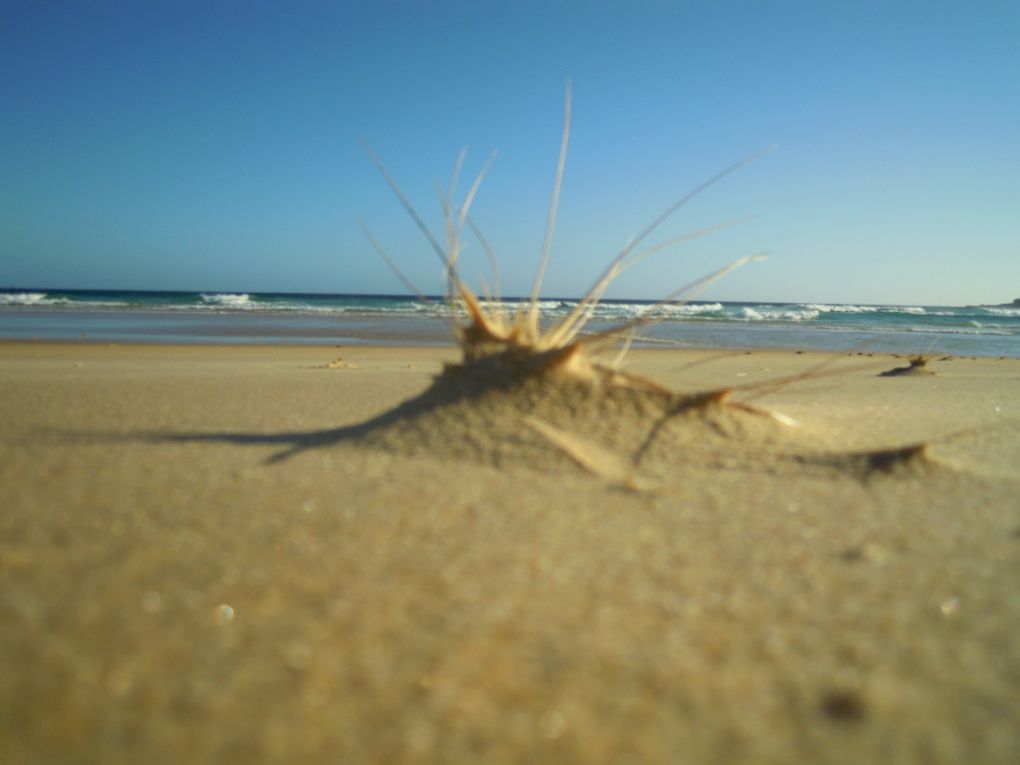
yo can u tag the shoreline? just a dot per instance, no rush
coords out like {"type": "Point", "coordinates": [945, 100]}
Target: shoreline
{"type": "Point", "coordinates": [299, 327]}
{"type": "Point", "coordinates": [450, 349]}
{"type": "Point", "coordinates": [181, 584]}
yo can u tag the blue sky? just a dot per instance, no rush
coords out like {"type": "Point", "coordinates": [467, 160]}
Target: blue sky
{"type": "Point", "coordinates": [215, 145]}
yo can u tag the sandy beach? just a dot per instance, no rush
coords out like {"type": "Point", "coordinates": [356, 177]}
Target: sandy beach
{"type": "Point", "coordinates": [202, 561]}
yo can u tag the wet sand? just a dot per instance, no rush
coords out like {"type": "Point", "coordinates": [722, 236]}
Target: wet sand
{"type": "Point", "coordinates": [173, 591]}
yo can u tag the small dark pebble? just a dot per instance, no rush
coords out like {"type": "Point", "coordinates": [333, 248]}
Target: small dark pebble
{"type": "Point", "coordinates": [852, 554]}
{"type": "Point", "coordinates": [843, 706]}
{"type": "Point", "coordinates": [1016, 533]}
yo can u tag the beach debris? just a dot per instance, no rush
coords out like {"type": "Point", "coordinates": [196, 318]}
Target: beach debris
{"type": "Point", "coordinates": [889, 460]}
{"type": "Point", "coordinates": [844, 706]}
{"type": "Point", "coordinates": [869, 552]}
{"type": "Point", "coordinates": [918, 367]}
{"type": "Point", "coordinates": [873, 462]}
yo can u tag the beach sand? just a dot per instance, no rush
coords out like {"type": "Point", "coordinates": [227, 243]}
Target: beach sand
{"type": "Point", "coordinates": [172, 593]}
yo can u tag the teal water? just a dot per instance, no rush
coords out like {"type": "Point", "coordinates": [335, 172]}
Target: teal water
{"type": "Point", "coordinates": [197, 317]}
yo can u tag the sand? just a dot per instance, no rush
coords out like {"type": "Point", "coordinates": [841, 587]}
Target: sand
{"type": "Point", "coordinates": [175, 589]}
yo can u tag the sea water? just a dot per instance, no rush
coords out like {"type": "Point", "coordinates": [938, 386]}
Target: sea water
{"type": "Point", "coordinates": [213, 317]}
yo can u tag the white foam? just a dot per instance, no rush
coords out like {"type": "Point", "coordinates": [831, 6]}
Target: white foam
{"type": "Point", "coordinates": [778, 314]}
{"type": "Point", "coordinates": [849, 308]}
{"type": "Point", "coordinates": [23, 298]}
{"type": "Point", "coordinates": [228, 300]}
{"type": "Point", "coordinates": [694, 309]}
{"type": "Point", "coordinates": [829, 308]}
{"type": "Point", "coordinates": [610, 311]}
{"type": "Point", "coordinates": [1003, 311]}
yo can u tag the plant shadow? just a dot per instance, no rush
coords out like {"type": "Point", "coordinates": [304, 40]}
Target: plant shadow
{"type": "Point", "coordinates": [291, 442]}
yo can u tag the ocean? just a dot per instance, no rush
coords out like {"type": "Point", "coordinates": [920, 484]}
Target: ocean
{"type": "Point", "coordinates": [283, 318]}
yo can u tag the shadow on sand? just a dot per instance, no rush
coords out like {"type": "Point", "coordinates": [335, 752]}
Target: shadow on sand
{"type": "Point", "coordinates": [292, 442]}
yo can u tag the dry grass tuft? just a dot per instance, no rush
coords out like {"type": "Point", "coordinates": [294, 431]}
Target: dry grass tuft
{"type": "Point", "coordinates": [524, 391]}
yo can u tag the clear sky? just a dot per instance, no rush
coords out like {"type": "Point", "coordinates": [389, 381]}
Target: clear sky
{"type": "Point", "coordinates": [214, 145]}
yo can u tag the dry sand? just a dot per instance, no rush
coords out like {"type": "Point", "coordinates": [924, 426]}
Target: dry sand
{"type": "Point", "coordinates": [418, 593]}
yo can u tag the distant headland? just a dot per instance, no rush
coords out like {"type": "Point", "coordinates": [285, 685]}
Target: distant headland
{"type": "Point", "coordinates": [1014, 304]}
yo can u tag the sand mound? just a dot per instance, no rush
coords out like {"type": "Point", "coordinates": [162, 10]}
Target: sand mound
{"type": "Point", "coordinates": [510, 408]}
{"type": "Point", "coordinates": [489, 411]}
